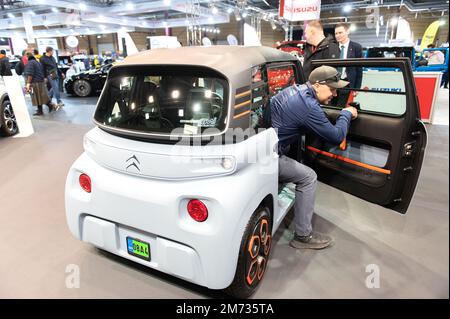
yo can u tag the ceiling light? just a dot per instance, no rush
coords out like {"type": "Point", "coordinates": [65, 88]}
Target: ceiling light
{"type": "Point", "coordinates": [55, 10]}
{"type": "Point", "coordinates": [230, 10]}
{"type": "Point", "coordinates": [10, 15]}
{"type": "Point", "coordinates": [130, 6]}
{"type": "Point", "coordinates": [244, 14]}
{"type": "Point", "coordinates": [442, 22]}
{"type": "Point", "coordinates": [175, 94]}
{"type": "Point", "coordinates": [394, 21]}
{"type": "Point", "coordinates": [83, 6]}
{"type": "Point", "coordinates": [214, 10]}
{"type": "Point", "coordinates": [353, 27]}
{"type": "Point", "coordinates": [167, 2]}
{"type": "Point", "coordinates": [31, 12]}
{"type": "Point", "coordinates": [347, 8]}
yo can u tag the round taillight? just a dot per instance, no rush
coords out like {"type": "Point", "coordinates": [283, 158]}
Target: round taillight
{"type": "Point", "coordinates": [85, 183]}
{"type": "Point", "coordinates": [197, 210]}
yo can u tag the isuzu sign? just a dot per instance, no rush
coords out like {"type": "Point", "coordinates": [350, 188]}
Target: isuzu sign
{"type": "Point", "coordinates": [300, 10]}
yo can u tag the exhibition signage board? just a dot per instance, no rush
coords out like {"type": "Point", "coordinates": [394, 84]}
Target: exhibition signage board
{"type": "Point", "coordinates": [300, 10]}
{"type": "Point", "coordinates": [427, 86]}
{"type": "Point", "coordinates": [15, 93]}
{"type": "Point", "coordinates": [44, 43]}
{"type": "Point", "coordinates": [159, 42]}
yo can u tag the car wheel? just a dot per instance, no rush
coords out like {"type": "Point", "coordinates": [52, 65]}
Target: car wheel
{"type": "Point", "coordinates": [82, 88]}
{"type": "Point", "coordinates": [253, 255]}
{"type": "Point", "coordinates": [8, 122]}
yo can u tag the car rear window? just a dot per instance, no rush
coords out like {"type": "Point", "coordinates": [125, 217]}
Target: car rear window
{"type": "Point", "coordinates": [163, 100]}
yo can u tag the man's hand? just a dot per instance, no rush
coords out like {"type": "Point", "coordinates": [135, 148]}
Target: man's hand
{"type": "Point", "coordinates": [28, 88]}
{"type": "Point", "coordinates": [353, 110]}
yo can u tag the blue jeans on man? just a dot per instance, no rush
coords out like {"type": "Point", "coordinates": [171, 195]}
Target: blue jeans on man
{"type": "Point", "coordinates": [54, 91]}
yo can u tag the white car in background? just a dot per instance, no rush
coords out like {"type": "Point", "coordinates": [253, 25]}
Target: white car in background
{"type": "Point", "coordinates": [8, 122]}
{"type": "Point", "coordinates": [166, 181]}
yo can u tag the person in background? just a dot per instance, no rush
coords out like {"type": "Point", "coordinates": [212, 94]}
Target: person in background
{"type": "Point", "coordinates": [5, 66]}
{"type": "Point", "coordinates": [20, 66]}
{"type": "Point", "coordinates": [435, 57]}
{"type": "Point", "coordinates": [53, 74]}
{"type": "Point", "coordinates": [37, 55]}
{"type": "Point", "coordinates": [35, 85]}
{"type": "Point", "coordinates": [444, 82]}
{"type": "Point", "coordinates": [318, 47]}
{"type": "Point", "coordinates": [348, 50]}
{"type": "Point", "coordinates": [96, 62]}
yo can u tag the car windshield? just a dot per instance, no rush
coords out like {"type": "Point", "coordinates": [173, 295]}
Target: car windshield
{"type": "Point", "coordinates": [162, 100]}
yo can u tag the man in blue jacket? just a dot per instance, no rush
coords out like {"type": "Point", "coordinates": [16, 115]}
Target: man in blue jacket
{"type": "Point", "coordinates": [293, 112]}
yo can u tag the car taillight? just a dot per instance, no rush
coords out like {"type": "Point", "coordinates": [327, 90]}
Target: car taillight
{"type": "Point", "coordinates": [197, 210]}
{"type": "Point", "coordinates": [85, 182]}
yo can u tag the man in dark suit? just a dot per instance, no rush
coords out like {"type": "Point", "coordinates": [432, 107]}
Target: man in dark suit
{"type": "Point", "coordinates": [348, 50]}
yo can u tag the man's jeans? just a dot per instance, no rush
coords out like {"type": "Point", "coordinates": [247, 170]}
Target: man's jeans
{"type": "Point", "coordinates": [305, 180]}
{"type": "Point", "coordinates": [54, 91]}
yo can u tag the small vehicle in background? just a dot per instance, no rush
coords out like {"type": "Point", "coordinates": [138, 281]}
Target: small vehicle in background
{"type": "Point", "coordinates": [295, 48]}
{"type": "Point", "coordinates": [88, 82]}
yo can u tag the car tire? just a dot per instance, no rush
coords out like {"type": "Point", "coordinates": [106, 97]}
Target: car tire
{"type": "Point", "coordinates": [8, 121]}
{"type": "Point", "coordinates": [82, 88]}
{"type": "Point", "coordinates": [253, 255]}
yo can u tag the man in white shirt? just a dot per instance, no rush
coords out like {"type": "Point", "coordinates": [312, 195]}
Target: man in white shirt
{"type": "Point", "coordinates": [436, 57]}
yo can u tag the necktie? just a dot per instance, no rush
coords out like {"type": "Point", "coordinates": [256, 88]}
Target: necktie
{"type": "Point", "coordinates": [341, 56]}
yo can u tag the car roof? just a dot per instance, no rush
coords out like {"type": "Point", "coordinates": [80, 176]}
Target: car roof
{"type": "Point", "coordinates": [228, 60]}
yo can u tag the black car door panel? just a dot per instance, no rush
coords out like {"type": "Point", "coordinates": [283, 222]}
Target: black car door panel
{"type": "Point", "coordinates": [380, 159]}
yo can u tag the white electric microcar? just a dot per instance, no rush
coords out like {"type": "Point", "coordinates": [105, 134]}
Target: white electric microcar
{"type": "Point", "coordinates": [178, 174]}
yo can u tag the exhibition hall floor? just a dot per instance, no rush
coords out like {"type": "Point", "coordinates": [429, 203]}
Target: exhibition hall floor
{"type": "Point", "coordinates": [410, 251]}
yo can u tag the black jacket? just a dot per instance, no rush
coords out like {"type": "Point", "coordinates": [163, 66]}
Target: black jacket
{"type": "Point", "coordinates": [49, 65]}
{"type": "Point", "coordinates": [327, 49]}
{"type": "Point", "coordinates": [354, 75]}
{"type": "Point", "coordinates": [5, 67]}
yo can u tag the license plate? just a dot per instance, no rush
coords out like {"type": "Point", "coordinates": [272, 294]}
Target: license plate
{"type": "Point", "coordinates": [138, 248]}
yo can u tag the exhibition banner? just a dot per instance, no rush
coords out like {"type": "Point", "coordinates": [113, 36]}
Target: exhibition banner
{"type": "Point", "coordinates": [300, 10]}
{"type": "Point", "coordinates": [429, 35]}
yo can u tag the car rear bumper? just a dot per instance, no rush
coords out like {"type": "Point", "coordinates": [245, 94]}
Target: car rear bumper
{"type": "Point", "coordinates": [154, 211]}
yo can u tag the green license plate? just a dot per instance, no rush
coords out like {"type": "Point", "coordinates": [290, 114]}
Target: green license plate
{"type": "Point", "coordinates": [138, 248]}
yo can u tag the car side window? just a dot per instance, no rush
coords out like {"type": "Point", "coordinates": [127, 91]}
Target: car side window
{"type": "Point", "coordinates": [280, 76]}
{"type": "Point", "coordinates": [380, 90]}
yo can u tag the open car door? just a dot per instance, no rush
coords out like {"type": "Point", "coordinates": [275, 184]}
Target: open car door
{"type": "Point", "coordinates": [380, 160]}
